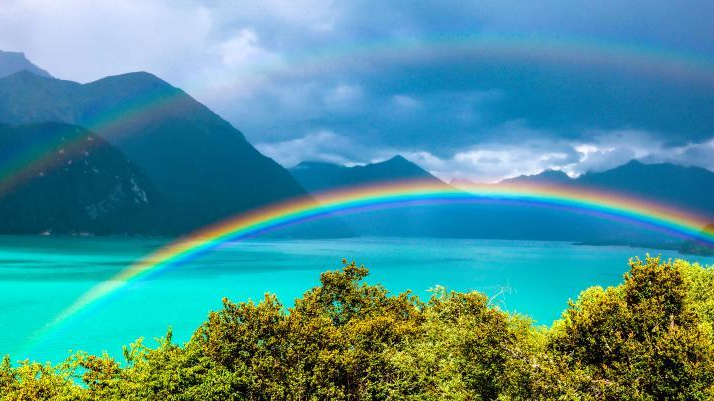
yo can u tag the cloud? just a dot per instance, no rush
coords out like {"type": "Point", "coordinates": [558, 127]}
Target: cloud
{"type": "Point", "coordinates": [343, 97]}
{"type": "Point", "coordinates": [405, 102]}
{"type": "Point", "coordinates": [690, 154]}
{"type": "Point", "coordinates": [585, 85]}
{"type": "Point", "coordinates": [492, 162]}
{"type": "Point", "coordinates": [322, 145]}
{"type": "Point", "coordinates": [84, 40]}
{"type": "Point", "coordinates": [497, 160]}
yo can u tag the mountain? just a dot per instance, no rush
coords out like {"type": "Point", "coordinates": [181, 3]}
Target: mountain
{"type": "Point", "coordinates": [321, 176]}
{"type": "Point", "coordinates": [691, 188]}
{"type": "Point", "coordinates": [685, 187]}
{"type": "Point", "coordinates": [317, 177]}
{"type": "Point", "coordinates": [12, 62]}
{"type": "Point", "coordinates": [78, 184]}
{"type": "Point", "coordinates": [548, 177]}
{"type": "Point", "coordinates": [471, 220]}
{"type": "Point", "coordinates": [198, 161]}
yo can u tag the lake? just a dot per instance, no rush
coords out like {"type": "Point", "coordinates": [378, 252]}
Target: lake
{"type": "Point", "coordinates": [40, 276]}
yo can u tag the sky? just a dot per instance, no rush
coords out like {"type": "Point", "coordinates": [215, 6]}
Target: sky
{"type": "Point", "coordinates": [477, 90]}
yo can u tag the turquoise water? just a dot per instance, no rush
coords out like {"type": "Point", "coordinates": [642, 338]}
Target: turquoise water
{"type": "Point", "coordinates": [40, 276]}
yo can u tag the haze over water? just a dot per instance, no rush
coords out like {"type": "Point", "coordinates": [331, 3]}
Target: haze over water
{"type": "Point", "coordinates": [39, 277]}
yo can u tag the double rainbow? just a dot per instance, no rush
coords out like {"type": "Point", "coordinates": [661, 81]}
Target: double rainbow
{"type": "Point", "coordinates": [353, 200]}
{"type": "Point", "coordinates": [570, 51]}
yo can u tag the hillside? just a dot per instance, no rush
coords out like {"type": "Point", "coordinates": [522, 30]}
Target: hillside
{"type": "Point", "coordinates": [78, 184]}
{"type": "Point", "coordinates": [12, 62]}
{"type": "Point", "coordinates": [197, 160]}
{"type": "Point", "coordinates": [687, 188]}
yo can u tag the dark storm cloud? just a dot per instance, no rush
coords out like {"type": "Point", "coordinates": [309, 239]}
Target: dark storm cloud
{"type": "Point", "coordinates": [358, 81]}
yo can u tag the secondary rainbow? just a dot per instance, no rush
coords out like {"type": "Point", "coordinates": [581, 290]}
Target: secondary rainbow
{"type": "Point", "coordinates": [382, 196]}
{"type": "Point", "coordinates": [664, 63]}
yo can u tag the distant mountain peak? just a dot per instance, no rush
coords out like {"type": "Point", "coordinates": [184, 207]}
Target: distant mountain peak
{"type": "Point", "coordinates": [634, 162]}
{"type": "Point", "coordinates": [306, 164]}
{"type": "Point", "coordinates": [545, 177]}
{"type": "Point", "coordinates": [554, 174]}
{"type": "Point", "coordinates": [137, 83]}
{"type": "Point", "coordinates": [320, 176]}
{"type": "Point", "coordinates": [136, 76]}
{"type": "Point", "coordinates": [397, 159]}
{"type": "Point", "coordinates": [638, 166]}
{"type": "Point", "coordinates": [13, 62]}
{"type": "Point", "coordinates": [399, 167]}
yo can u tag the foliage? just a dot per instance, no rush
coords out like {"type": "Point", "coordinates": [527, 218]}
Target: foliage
{"type": "Point", "coordinates": [649, 338]}
{"type": "Point", "coordinates": [640, 340]}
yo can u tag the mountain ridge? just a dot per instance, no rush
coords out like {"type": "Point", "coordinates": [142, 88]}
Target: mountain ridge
{"type": "Point", "coordinates": [687, 187]}
{"type": "Point", "coordinates": [82, 185]}
{"type": "Point", "coordinates": [316, 175]}
{"type": "Point", "coordinates": [500, 221]}
{"type": "Point", "coordinates": [196, 159]}
{"type": "Point", "coordinates": [12, 62]}
{"type": "Point", "coordinates": [207, 168]}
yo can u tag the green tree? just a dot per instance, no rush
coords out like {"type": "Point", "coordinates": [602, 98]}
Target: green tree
{"type": "Point", "coordinates": [640, 340]}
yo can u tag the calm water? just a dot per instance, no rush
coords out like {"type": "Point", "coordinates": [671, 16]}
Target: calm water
{"type": "Point", "coordinates": [40, 276]}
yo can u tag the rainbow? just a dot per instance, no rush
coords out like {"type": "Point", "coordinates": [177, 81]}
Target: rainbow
{"type": "Point", "coordinates": [42, 154]}
{"type": "Point", "coordinates": [38, 156]}
{"type": "Point", "coordinates": [390, 195]}
{"type": "Point", "coordinates": [660, 62]}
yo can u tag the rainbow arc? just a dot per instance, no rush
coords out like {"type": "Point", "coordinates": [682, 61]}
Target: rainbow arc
{"type": "Point", "coordinates": [353, 200]}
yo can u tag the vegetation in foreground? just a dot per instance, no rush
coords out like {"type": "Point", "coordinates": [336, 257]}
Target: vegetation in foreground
{"type": "Point", "coordinates": [650, 338]}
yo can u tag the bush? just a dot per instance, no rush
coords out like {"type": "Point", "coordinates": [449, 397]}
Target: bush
{"type": "Point", "coordinates": [640, 340]}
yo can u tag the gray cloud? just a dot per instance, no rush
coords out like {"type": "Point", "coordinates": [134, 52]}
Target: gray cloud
{"type": "Point", "coordinates": [587, 85]}
{"type": "Point", "coordinates": [315, 146]}
{"type": "Point", "coordinates": [493, 161]}
{"type": "Point", "coordinates": [502, 156]}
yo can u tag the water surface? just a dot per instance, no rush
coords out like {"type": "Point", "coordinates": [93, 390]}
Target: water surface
{"type": "Point", "coordinates": [40, 276]}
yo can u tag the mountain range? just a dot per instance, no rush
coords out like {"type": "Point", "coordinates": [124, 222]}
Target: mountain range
{"type": "Point", "coordinates": [199, 162]}
{"type": "Point", "coordinates": [321, 176]}
{"type": "Point", "coordinates": [141, 156]}
{"type": "Point", "coordinates": [195, 158]}
{"type": "Point", "coordinates": [690, 188]}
